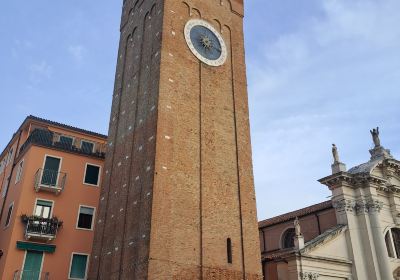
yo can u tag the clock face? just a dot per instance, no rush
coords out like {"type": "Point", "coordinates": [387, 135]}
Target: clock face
{"type": "Point", "coordinates": [205, 42]}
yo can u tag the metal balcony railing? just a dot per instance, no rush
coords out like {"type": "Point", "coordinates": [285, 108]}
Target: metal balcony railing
{"type": "Point", "coordinates": [50, 180]}
{"type": "Point", "coordinates": [31, 275]}
{"type": "Point", "coordinates": [41, 228]}
{"type": "Point", "coordinates": [47, 138]}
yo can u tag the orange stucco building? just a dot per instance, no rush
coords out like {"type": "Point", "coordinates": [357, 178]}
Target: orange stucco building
{"type": "Point", "coordinates": [50, 176]}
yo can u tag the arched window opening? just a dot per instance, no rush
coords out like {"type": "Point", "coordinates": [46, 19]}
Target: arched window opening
{"type": "Point", "coordinates": [396, 240]}
{"type": "Point", "coordinates": [392, 240]}
{"type": "Point", "coordinates": [288, 238]}
{"type": "Point", "coordinates": [389, 245]}
{"type": "Point", "coordinates": [396, 274]}
{"type": "Point", "coordinates": [229, 250]}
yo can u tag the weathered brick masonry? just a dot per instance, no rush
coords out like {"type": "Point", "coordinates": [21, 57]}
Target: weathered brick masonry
{"type": "Point", "coordinates": [178, 175]}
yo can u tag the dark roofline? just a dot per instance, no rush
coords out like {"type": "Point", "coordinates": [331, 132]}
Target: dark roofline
{"type": "Point", "coordinates": [298, 213]}
{"type": "Point", "coordinates": [80, 130]}
{"type": "Point", "coordinates": [34, 118]}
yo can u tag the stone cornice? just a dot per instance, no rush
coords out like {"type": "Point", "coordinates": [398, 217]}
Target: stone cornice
{"type": "Point", "coordinates": [362, 175]}
{"type": "Point", "coordinates": [338, 179]}
{"type": "Point", "coordinates": [327, 259]}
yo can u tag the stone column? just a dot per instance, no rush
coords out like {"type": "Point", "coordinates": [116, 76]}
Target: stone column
{"type": "Point", "coordinates": [374, 207]}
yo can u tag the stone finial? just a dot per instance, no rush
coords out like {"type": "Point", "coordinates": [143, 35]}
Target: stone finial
{"type": "Point", "coordinates": [337, 166]}
{"type": "Point", "coordinates": [375, 137]}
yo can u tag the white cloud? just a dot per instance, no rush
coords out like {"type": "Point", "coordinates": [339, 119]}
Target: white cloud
{"type": "Point", "coordinates": [328, 80]}
{"type": "Point", "coordinates": [40, 71]}
{"type": "Point", "coordinates": [77, 52]}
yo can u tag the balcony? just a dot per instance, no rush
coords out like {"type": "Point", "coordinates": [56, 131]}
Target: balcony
{"type": "Point", "coordinates": [40, 228]}
{"type": "Point", "coordinates": [49, 180]}
{"type": "Point", "coordinates": [50, 139]}
{"type": "Point", "coordinates": [31, 275]}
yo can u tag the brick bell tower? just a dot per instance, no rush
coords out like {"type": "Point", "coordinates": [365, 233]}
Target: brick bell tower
{"type": "Point", "coordinates": [178, 197]}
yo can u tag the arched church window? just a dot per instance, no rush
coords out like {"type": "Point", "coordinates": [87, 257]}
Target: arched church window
{"type": "Point", "coordinates": [389, 245]}
{"type": "Point", "coordinates": [288, 238]}
{"type": "Point", "coordinates": [392, 240]}
{"type": "Point", "coordinates": [396, 240]}
{"type": "Point", "coordinates": [396, 274]}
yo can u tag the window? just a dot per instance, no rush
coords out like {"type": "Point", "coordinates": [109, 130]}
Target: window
{"type": "Point", "coordinates": [5, 187]}
{"type": "Point", "coordinates": [389, 245]}
{"type": "Point", "coordinates": [9, 157]}
{"type": "Point", "coordinates": [392, 240]}
{"type": "Point", "coordinates": [66, 141]}
{"type": "Point", "coordinates": [50, 171]}
{"type": "Point", "coordinates": [92, 174]}
{"type": "Point", "coordinates": [9, 213]}
{"type": "Point", "coordinates": [229, 250]}
{"type": "Point", "coordinates": [288, 238]}
{"type": "Point", "coordinates": [87, 147]}
{"type": "Point", "coordinates": [78, 266]}
{"type": "Point", "coordinates": [85, 217]}
{"type": "Point", "coordinates": [19, 171]}
{"type": "Point", "coordinates": [43, 208]}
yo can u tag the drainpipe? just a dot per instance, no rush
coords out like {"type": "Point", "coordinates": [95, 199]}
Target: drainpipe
{"type": "Point", "coordinates": [319, 224]}
{"type": "Point", "coordinates": [10, 176]}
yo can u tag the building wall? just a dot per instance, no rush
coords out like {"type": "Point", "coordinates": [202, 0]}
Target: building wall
{"type": "Point", "coordinates": [310, 228]}
{"type": "Point", "coordinates": [65, 207]}
{"type": "Point", "coordinates": [210, 145]}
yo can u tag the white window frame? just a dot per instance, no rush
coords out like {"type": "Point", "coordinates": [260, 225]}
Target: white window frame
{"type": "Point", "coordinates": [393, 247]}
{"type": "Point", "coordinates": [9, 156]}
{"type": "Point", "coordinates": [1, 166]}
{"type": "Point", "coordinates": [12, 210]}
{"type": "Point", "coordinates": [44, 163]}
{"type": "Point", "coordinates": [5, 187]}
{"type": "Point", "coordinates": [87, 141]}
{"type": "Point", "coordinates": [41, 266]}
{"type": "Point", "coordinates": [47, 200]}
{"type": "Point", "coordinates": [20, 170]}
{"type": "Point", "coordinates": [99, 176]}
{"type": "Point", "coordinates": [70, 265]}
{"type": "Point", "coordinates": [93, 218]}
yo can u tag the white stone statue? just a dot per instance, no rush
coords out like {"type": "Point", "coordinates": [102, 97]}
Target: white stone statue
{"type": "Point", "coordinates": [297, 227]}
{"type": "Point", "coordinates": [375, 137]}
{"type": "Point", "coordinates": [335, 154]}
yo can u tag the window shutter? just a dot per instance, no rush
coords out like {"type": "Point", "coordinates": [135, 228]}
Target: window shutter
{"type": "Point", "coordinates": [78, 266]}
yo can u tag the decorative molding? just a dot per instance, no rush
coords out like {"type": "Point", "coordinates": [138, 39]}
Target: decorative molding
{"type": "Point", "coordinates": [374, 205]}
{"type": "Point", "coordinates": [358, 206]}
{"type": "Point", "coordinates": [345, 205]}
{"type": "Point", "coordinates": [309, 276]}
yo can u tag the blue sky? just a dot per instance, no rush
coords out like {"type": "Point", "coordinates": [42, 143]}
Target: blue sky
{"type": "Point", "coordinates": [319, 72]}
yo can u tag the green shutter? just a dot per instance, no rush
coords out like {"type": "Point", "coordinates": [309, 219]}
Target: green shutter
{"type": "Point", "coordinates": [44, 203]}
{"type": "Point", "coordinates": [36, 247]}
{"type": "Point", "coordinates": [78, 266]}
{"type": "Point", "coordinates": [86, 210]}
{"type": "Point", "coordinates": [32, 266]}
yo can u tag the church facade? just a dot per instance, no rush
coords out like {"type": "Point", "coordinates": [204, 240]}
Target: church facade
{"type": "Point", "coordinates": [353, 236]}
